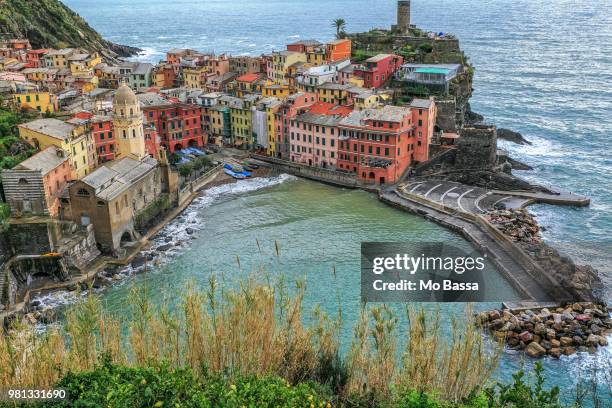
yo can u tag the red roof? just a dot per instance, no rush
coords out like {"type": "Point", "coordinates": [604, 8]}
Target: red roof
{"type": "Point", "coordinates": [326, 108]}
{"type": "Point", "coordinates": [248, 78]}
{"type": "Point", "coordinates": [38, 51]}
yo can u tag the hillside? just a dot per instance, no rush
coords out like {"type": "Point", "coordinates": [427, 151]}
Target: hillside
{"type": "Point", "coordinates": [49, 23]}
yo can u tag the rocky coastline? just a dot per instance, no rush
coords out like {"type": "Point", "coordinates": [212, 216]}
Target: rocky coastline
{"type": "Point", "coordinates": [577, 327]}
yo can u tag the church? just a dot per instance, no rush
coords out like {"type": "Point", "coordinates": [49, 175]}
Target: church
{"type": "Point", "coordinates": [115, 194]}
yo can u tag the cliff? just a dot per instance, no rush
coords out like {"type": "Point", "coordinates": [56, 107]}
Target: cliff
{"type": "Point", "coordinates": [50, 24]}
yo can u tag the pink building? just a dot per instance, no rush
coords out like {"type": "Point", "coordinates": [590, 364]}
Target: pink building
{"type": "Point", "coordinates": [294, 104]}
{"type": "Point", "coordinates": [314, 135]}
{"type": "Point", "coordinates": [376, 71]}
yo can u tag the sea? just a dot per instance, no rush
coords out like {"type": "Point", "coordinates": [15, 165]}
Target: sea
{"type": "Point", "coordinates": [542, 68]}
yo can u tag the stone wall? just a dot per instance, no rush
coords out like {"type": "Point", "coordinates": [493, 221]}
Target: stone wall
{"type": "Point", "coordinates": [313, 173]}
{"type": "Point", "coordinates": [476, 147]}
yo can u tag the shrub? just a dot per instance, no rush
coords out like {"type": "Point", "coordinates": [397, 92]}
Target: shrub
{"type": "Point", "coordinates": [524, 394]}
{"type": "Point", "coordinates": [112, 385]}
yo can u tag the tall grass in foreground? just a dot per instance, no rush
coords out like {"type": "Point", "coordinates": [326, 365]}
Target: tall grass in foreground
{"type": "Point", "coordinates": [256, 329]}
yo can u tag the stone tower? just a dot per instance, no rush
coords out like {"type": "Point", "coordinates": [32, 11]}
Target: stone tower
{"type": "Point", "coordinates": [403, 15]}
{"type": "Point", "coordinates": [127, 124]}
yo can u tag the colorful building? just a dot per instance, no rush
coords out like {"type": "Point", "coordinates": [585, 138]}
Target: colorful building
{"type": "Point", "coordinates": [333, 93]}
{"type": "Point", "coordinates": [291, 106]}
{"type": "Point", "coordinates": [281, 61]}
{"type": "Point", "coordinates": [178, 125]}
{"type": "Point", "coordinates": [243, 64]}
{"type": "Point", "coordinates": [339, 49]}
{"type": "Point", "coordinates": [274, 90]}
{"type": "Point", "coordinates": [241, 119]}
{"type": "Point", "coordinates": [36, 184]}
{"type": "Point", "coordinates": [248, 84]}
{"type": "Point", "coordinates": [377, 70]}
{"type": "Point", "coordinates": [424, 114]}
{"type": "Point", "coordinates": [271, 111]}
{"type": "Point", "coordinates": [41, 101]}
{"type": "Point", "coordinates": [314, 135]}
{"type": "Point", "coordinates": [74, 138]}
{"type": "Point", "coordinates": [377, 145]}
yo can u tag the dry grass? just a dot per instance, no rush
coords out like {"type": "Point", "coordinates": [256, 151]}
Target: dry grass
{"type": "Point", "coordinates": [255, 329]}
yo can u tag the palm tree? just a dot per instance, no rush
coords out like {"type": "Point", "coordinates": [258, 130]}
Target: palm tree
{"type": "Point", "coordinates": [340, 24]}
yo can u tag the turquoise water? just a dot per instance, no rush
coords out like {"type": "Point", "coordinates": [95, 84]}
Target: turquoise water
{"type": "Point", "coordinates": [542, 68]}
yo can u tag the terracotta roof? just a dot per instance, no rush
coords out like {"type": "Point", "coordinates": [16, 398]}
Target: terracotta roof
{"type": "Point", "coordinates": [252, 77]}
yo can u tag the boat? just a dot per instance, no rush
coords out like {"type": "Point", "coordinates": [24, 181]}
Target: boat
{"type": "Point", "coordinates": [253, 165]}
{"type": "Point", "coordinates": [238, 176]}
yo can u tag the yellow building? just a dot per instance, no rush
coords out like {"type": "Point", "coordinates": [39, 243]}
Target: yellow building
{"type": "Point", "coordinates": [333, 93]}
{"type": "Point", "coordinates": [241, 117]}
{"type": "Point", "coordinates": [271, 89]}
{"type": "Point", "coordinates": [316, 56]}
{"type": "Point", "coordinates": [59, 58]}
{"type": "Point", "coordinates": [356, 81]}
{"type": "Point", "coordinates": [195, 78]}
{"type": "Point", "coordinates": [74, 138]}
{"type": "Point", "coordinates": [5, 62]}
{"type": "Point", "coordinates": [42, 101]}
{"type": "Point", "coordinates": [271, 111]}
{"type": "Point", "coordinates": [366, 100]}
{"type": "Point", "coordinates": [281, 61]}
{"type": "Point", "coordinates": [248, 84]}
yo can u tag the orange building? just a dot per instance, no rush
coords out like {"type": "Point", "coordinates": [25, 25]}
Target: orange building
{"type": "Point", "coordinates": [339, 49]}
{"type": "Point", "coordinates": [377, 145]}
{"type": "Point", "coordinates": [424, 112]}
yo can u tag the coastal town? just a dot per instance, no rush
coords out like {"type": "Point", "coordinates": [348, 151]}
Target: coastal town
{"type": "Point", "coordinates": [110, 149]}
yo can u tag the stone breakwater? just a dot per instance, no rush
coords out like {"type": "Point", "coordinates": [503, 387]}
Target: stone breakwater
{"type": "Point", "coordinates": [578, 327]}
{"type": "Point", "coordinates": [522, 228]}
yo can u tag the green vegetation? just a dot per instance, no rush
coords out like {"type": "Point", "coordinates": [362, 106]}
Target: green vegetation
{"type": "Point", "coordinates": [49, 23]}
{"type": "Point", "coordinates": [157, 207]}
{"type": "Point", "coordinates": [340, 25]}
{"type": "Point", "coordinates": [12, 149]}
{"type": "Point", "coordinates": [5, 213]}
{"type": "Point", "coordinates": [119, 386]}
{"type": "Point", "coordinates": [246, 345]}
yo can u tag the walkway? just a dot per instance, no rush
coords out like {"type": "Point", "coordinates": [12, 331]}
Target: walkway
{"type": "Point", "coordinates": [522, 275]}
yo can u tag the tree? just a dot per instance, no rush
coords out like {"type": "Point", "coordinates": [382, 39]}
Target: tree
{"type": "Point", "coordinates": [340, 25]}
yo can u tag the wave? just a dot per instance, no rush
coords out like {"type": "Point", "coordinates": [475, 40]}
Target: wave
{"type": "Point", "coordinates": [168, 243]}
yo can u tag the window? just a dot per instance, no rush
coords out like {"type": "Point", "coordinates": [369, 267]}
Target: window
{"type": "Point", "coordinates": [81, 192]}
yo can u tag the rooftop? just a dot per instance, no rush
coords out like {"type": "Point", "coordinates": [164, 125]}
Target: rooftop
{"type": "Point", "coordinates": [44, 161]}
{"type": "Point", "coordinates": [379, 57]}
{"type": "Point", "coordinates": [51, 127]}
{"type": "Point", "coordinates": [117, 176]}
{"type": "Point", "coordinates": [307, 43]}
{"type": "Point", "coordinates": [387, 113]}
{"type": "Point", "coordinates": [421, 103]}
{"type": "Point", "coordinates": [248, 77]}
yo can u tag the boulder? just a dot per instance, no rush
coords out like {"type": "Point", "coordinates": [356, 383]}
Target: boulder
{"type": "Point", "coordinates": [555, 343]}
{"type": "Point", "coordinates": [592, 340]}
{"type": "Point", "coordinates": [526, 337]}
{"type": "Point", "coordinates": [534, 350]}
{"type": "Point", "coordinates": [555, 352]}
{"type": "Point", "coordinates": [583, 317]}
{"type": "Point", "coordinates": [568, 351]}
{"type": "Point", "coordinates": [539, 329]}
{"type": "Point", "coordinates": [566, 341]}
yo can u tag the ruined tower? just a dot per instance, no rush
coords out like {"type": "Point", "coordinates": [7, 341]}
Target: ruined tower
{"type": "Point", "coordinates": [403, 15]}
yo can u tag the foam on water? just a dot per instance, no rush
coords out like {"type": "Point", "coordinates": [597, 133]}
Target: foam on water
{"type": "Point", "coordinates": [176, 235]}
